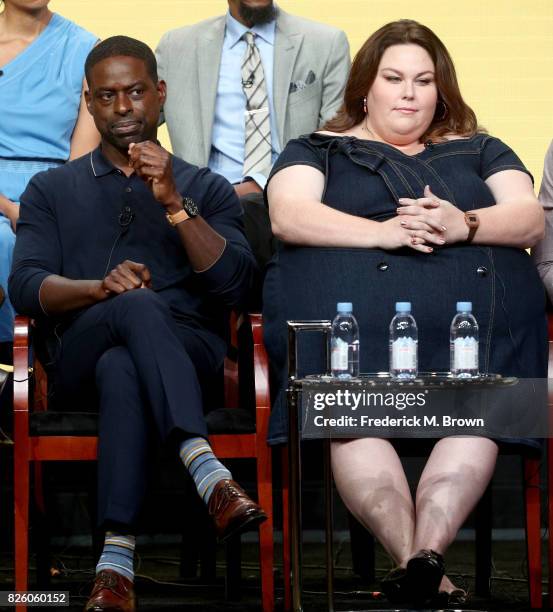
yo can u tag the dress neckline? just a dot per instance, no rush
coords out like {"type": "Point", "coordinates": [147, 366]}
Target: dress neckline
{"type": "Point", "coordinates": [51, 25]}
{"type": "Point", "coordinates": [391, 147]}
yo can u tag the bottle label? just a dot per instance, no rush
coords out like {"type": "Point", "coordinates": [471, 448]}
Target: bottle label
{"type": "Point", "coordinates": [404, 354]}
{"type": "Point", "coordinates": [339, 354]}
{"type": "Point", "coordinates": [465, 354]}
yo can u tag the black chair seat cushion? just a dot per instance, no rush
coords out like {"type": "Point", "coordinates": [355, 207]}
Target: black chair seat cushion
{"type": "Point", "coordinates": [54, 423]}
{"type": "Point", "coordinates": [57, 423]}
{"type": "Point", "coordinates": [230, 420]}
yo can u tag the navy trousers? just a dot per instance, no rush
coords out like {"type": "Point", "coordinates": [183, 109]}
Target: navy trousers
{"type": "Point", "coordinates": [147, 371]}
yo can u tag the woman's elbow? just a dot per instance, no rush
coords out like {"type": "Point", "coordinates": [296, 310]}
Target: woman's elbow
{"type": "Point", "coordinates": [281, 226]}
{"type": "Point", "coordinates": [279, 231]}
{"type": "Point", "coordinates": [537, 231]}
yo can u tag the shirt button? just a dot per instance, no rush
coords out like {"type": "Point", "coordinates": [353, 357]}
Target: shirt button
{"type": "Point", "coordinates": [128, 189]}
{"type": "Point", "coordinates": [382, 266]}
{"type": "Point", "coordinates": [482, 271]}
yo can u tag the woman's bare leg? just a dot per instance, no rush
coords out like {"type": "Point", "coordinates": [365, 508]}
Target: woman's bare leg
{"type": "Point", "coordinates": [370, 479]}
{"type": "Point", "coordinates": [453, 480]}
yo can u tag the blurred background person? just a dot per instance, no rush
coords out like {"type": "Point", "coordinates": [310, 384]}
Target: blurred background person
{"type": "Point", "coordinates": [543, 251]}
{"type": "Point", "coordinates": [239, 86]}
{"type": "Point", "coordinates": [43, 119]}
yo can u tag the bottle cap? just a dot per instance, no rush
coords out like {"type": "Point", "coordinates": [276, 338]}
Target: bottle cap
{"type": "Point", "coordinates": [464, 306]}
{"type": "Point", "coordinates": [403, 306]}
{"type": "Point", "coordinates": [344, 307]}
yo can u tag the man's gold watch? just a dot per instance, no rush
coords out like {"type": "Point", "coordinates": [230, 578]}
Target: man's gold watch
{"type": "Point", "coordinates": [189, 210]}
{"type": "Point", "coordinates": [473, 223]}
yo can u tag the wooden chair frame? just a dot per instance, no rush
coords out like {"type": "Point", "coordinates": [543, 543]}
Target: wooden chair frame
{"type": "Point", "coordinates": [30, 449]}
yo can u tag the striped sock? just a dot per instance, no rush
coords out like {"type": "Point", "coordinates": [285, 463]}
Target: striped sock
{"type": "Point", "coordinates": [118, 554]}
{"type": "Point", "coordinates": [204, 467]}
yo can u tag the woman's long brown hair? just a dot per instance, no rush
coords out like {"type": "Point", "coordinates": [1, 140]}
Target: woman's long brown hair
{"type": "Point", "coordinates": [459, 118]}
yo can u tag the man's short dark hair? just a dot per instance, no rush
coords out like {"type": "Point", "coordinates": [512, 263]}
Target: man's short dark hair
{"type": "Point", "coordinates": [125, 46]}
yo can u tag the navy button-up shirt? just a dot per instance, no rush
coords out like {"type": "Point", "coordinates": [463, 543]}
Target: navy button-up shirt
{"type": "Point", "coordinates": [82, 219]}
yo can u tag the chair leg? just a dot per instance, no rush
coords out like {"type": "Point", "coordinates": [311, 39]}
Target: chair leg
{"type": "Point", "coordinates": [41, 530]}
{"type": "Point", "coordinates": [208, 555]}
{"type": "Point", "coordinates": [198, 542]}
{"type": "Point", "coordinates": [286, 569]}
{"type": "Point", "coordinates": [233, 573]}
{"type": "Point", "coordinates": [362, 550]}
{"type": "Point", "coordinates": [533, 529]}
{"type": "Point", "coordinates": [483, 537]}
{"type": "Point", "coordinates": [192, 534]}
{"type": "Point", "coordinates": [266, 541]}
{"type": "Point", "coordinates": [21, 527]}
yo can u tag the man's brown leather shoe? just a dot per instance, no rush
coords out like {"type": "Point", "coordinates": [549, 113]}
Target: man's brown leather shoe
{"type": "Point", "coordinates": [112, 592]}
{"type": "Point", "coordinates": [232, 510]}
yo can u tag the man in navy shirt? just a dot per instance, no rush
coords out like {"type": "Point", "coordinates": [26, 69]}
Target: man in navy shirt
{"type": "Point", "coordinates": [133, 258]}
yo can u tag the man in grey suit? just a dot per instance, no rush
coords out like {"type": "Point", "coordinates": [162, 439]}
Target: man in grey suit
{"type": "Point", "coordinates": [543, 251]}
{"type": "Point", "coordinates": [215, 113]}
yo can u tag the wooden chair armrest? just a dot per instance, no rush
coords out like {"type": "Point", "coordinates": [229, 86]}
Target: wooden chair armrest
{"type": "Point", "coordinates": [260, 364]}
{"type": "Point", "coordinates": [21, 371]}
{"type": "Point", "coordinates": [21, 364]}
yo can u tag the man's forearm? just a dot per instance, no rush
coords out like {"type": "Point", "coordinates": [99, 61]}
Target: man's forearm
{"type": "Point", "coordinates": [204, 246]}
{"type": "Point", "coordinates": [59, 295]}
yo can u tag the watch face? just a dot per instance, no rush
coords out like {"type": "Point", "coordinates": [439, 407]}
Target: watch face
{"type": "Point", "coordinates": [472, 220]}
{"type": "Point", "coordinates": [190, 207]}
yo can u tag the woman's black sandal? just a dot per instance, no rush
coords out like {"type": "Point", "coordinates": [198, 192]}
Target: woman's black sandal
{"type": "Point", "coordinates": [445, 600]}
{"type": "Point", "coordinates": [394, 585]}
{"type": "Point", "coordinates": [424, 574]}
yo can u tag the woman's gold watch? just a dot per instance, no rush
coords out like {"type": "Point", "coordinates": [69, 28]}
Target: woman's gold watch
{"type": "Point", "coordinates": [473, 222]}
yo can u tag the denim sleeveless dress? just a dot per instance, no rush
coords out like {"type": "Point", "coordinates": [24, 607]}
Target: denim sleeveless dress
{"type": "Point", "coordinates": [40, 94]}
{"type": "Point", "coordinates": [366, 178]}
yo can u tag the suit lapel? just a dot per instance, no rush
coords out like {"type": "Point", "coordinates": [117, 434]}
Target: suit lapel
{"type": "Point", "coordinates": [208, 61]}
{"type": "Point", "coordinates": [287, 46]}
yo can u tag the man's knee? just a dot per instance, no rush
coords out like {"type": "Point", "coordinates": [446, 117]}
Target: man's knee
{"type": "Point", "coordinates": [113, 366]}
{"type": "Point", "coordinates": [140, 304]}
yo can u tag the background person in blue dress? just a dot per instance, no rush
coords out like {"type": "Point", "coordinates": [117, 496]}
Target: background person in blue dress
{"type": "Point", "coordinates": [373, 211]}
{"type": "Point", "coordinates": [43, 119]}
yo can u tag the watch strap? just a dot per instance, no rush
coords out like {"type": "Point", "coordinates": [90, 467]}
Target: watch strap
{"type": "Point", "coordinates": [178, 217]}
{"type": "Point", "coordinates": [473, 223]}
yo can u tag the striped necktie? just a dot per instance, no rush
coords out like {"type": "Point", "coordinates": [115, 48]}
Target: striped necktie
{"type": "Point", "coordinates": [257, 147]}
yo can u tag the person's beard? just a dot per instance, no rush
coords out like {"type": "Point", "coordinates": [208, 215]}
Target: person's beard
{"type": "Point", "coordinates": [257, 15]}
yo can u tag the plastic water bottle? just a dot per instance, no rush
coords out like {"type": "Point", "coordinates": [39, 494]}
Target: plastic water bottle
{"type": "Point", "coordinates": [344, 343]}
{"type": "Point", "coordinates": [464, 342]}
{"type": "Point", "coordinates": [403, 343]}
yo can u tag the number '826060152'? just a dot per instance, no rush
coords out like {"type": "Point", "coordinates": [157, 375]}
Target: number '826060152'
{"type": "Point", "coordinates": [35, 598]}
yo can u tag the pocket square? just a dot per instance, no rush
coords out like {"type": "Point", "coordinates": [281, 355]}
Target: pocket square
{"type": "Point", "coordinates": [299, 85]}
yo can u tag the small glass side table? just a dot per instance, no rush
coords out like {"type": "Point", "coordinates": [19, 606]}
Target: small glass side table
{"type": "Point", "coordinates": [296, 385]}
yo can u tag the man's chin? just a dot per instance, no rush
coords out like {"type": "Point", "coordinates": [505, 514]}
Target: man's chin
{"type": "Point", "coordinates": [257, 15]}
{"type": "Point", "coordinates": [123, 141]}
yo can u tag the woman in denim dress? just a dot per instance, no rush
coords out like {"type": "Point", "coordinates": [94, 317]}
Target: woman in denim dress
{"type": "Point", "coordinates": [372, 210]}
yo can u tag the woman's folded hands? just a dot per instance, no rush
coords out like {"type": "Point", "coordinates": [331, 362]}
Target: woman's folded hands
{"type": "Point", "coordinates": [426, 222]}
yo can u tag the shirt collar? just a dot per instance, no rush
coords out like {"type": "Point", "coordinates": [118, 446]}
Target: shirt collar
{"type": "Point", "coordinates": [235, 30]}
{"type": "Point", "coordinates": [99, 163]}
